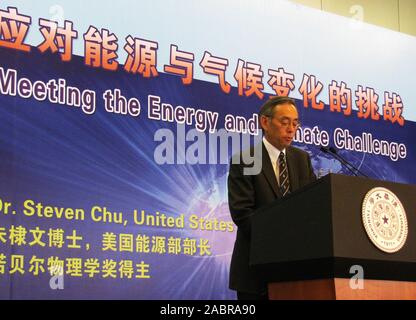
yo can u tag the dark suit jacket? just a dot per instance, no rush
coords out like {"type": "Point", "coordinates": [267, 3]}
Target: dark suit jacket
{"type": "Point", "coordinates": [246, 194]}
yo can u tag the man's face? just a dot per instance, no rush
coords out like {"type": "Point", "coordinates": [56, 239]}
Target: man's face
{"type": "Point", "coordinates": [280, 129]}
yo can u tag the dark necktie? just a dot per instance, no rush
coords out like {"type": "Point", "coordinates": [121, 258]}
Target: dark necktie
{"type": "Point", "coordinates": [283, 175]}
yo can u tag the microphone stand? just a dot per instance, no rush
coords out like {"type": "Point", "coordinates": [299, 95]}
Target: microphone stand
{"type": "Point", "coordinates": [347, 165]}
{"type": "Point", "coordinates": [334, 151]}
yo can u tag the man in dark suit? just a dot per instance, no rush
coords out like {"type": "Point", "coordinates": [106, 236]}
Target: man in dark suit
{"type": "Point", "coordinates": [284, 169]}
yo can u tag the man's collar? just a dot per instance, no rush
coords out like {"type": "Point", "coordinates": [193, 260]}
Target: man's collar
{"type": "Point", "coordinates": [272, 150]}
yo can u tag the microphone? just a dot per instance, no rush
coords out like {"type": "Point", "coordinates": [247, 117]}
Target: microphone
{"type": "Point", "coordinates": [333, 152]}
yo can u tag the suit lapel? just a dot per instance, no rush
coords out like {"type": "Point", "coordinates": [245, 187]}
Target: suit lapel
{"type": "Point", "coordinates": [268, 172]}
{"type": "Point", "coordinates": [293, 176]}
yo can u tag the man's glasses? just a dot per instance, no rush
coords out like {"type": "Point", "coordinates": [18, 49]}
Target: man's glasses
{"type": "Point", "coordinates": [285, 123]}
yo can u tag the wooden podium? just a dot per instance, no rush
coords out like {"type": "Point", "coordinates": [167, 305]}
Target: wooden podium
{"type": "Point", "coordinates": [308, 245]}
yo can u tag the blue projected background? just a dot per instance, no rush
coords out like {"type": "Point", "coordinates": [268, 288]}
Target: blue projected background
{"type": "Point", "coordinates": [56, 156]}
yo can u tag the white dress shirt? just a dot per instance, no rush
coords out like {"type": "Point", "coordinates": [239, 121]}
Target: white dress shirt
{"type": "Point", "coordinates": [274, 154]}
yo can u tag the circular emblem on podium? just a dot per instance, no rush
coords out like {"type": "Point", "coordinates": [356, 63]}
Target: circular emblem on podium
{"type": "Point", "coordinates": [384, 220]}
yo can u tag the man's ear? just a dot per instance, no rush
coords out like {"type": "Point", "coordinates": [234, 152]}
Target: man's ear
{"type": "Point", "coordinates": [264, 122]}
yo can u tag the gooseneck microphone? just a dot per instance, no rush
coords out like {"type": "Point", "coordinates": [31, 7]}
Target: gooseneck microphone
{"type": "Point", "coordinates": [333, 152]}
